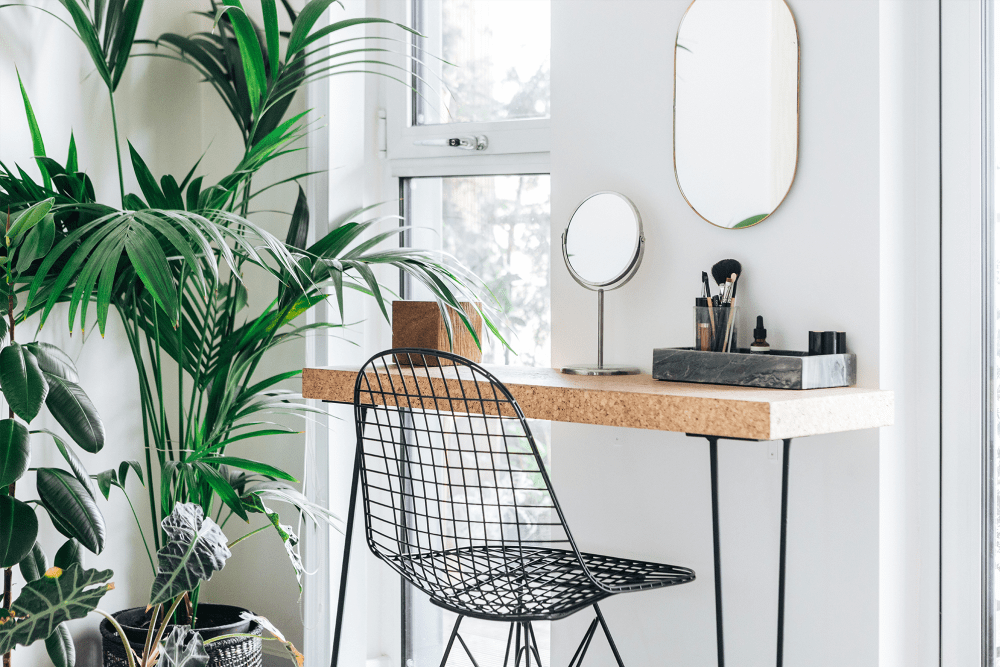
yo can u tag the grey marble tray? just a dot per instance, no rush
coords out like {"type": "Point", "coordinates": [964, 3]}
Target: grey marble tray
{"type": "Point", "coordinates": [781, 369]}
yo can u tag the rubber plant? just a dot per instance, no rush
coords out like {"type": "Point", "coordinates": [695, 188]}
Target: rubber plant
{"type": "Point", "coordinates": [32, 375]}
{"type": "Point", "coordinates": [170, 260]}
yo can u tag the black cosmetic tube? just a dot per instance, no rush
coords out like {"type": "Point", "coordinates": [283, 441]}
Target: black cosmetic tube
{"type": "Point", "coordinates": [829, 342]}
{"type": "Point", "coordinates": [815, 342]}
{"type": "Point", "coordinates": [841, 342]}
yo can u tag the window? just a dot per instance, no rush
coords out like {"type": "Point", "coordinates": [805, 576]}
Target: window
{"type": "Point", "coordinates": [467, 151]}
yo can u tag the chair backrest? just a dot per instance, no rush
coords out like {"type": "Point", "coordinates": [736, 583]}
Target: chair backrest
{"type": "Point", "coordinates": [450, 470]}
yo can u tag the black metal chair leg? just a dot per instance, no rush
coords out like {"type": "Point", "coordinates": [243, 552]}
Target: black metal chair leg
{"type": "Point", "coordinates": [781, 558]}
{"type": "Point", "coordinates": [510, 638]}
{"type": "Point", "coordinates": [348, 534]}
{"type": "Point", "coordinates": [534, 645]}
{"type": "Point", "coordinates": [451, 641]}
{"type": "Point", "coordinates": [467, 651]}
{"type": "Point", "coordinates": [607, 633]}
{"type": "Point", "coordinates": [581, 650]}
{"type": "Point", "coordinates": [713, 451]}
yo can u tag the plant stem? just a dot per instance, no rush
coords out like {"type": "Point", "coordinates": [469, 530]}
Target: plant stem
{"type": "Point", "coordinates": [121, 635]}
{"type": "Point", "coordinates": [141, 533]}
{"type": "Point", "coordinates": [252, 532]}
{"type": "Point", "coordinates": [118, 147]}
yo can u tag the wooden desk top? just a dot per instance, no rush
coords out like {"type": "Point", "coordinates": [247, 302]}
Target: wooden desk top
{"type": "Point", "coordinates": [639, 401]}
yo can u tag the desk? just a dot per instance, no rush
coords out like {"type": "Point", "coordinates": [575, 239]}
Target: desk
{"type": "Point", "coordinates": [638, 401]}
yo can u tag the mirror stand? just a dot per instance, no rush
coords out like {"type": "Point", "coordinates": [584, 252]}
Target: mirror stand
{"type": "Point", "coordinates": [600, 368]}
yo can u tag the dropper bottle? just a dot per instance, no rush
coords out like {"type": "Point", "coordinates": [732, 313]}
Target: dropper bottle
{"type": "Point", "coordinates": [760, 344]}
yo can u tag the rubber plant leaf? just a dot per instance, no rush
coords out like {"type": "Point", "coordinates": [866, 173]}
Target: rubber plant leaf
{"type": "Point", "coordinates": [59, 596]}
{"type": "Point", "coordinates": [194, 551]}
{"type": "Point", "coordinates": [34, 565]}
{"type": "Point", "coordinates": [15, 451]}
{"type": "Point", "coordinates": [22, 381]}
{"type": "Point", "coordinates": [72, 459]}
{"type": "Point", "coordinates": [68, 554]}
{"type": "Point", "coordinates": [72, 509]}
{"type": "Point", "coordinates": [18, 530]}
{"type": "Point", "coordinates": [53, 360]}
{"type": "Point", "coordinates": [60, 647]}
{"type": "Point", "coordinates": [183, 647]}
{"type": "Point", "coordinates": [75, 412]}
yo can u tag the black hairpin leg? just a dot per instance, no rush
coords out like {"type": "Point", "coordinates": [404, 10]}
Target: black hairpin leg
{"type": "Point", "coordinates": [713, 454]}
{"type": "Point", "coordinates": [781, 557]}
{"type": "Point", "coordinates": [713, 451]}
{"type": "Point", "coordinates": [348, 534]}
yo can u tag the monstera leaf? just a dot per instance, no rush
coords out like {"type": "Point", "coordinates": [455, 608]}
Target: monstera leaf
{"type": "Point", "coordinates": [183, 648]}
{"type": "Point", "coordinates": [59, 596]}
{"type": "Point", "coordinates": [195, 549]}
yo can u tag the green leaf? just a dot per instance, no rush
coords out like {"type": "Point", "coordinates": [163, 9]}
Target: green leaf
{"type": "Point", "coordinates": [75, 412]}
{"type": "Point", "coordinates": [123, 469]}
{"type": "Point", "coordinates": [29, 218]}
{"type": "Point", "coordinates": [221, 485]}
{"type": "Point", "coordinates": [154, 196]}
{"type": "Point", "coordinates": [172, 192]}
{"type": "Point", "coordinates": [15, 451]}
{"type": "Point", "coordinates": [253, 59]}
{"type": "Point", "coordinates": [194, 551]}
{"type": "Point", "coordinates": [68, 554]}
{"type": "Point", "coordinates": [59, 645]}
{"type": "Point", "coordinates": [53, 360]}
{"type": "Point", "coordinates": [36, 134]}
{"type": "Point", "coordinates": [88, 35]}
{"type": "Point", "coordinates": [150, 263]}
{"type": "Point", "coordinates": [285, 532]}
{"type": "Point", "coordinates": [71, 159]}
{"type": "Point", "coordinates": [18, 529]}
{"type": "Point", "coordinates": [59, 596]}
{"type": "Point", "coordinates": [751, 221]}
{"type": "Point", "coordinates": [122, 45]}
{"type": "Point", "coordinates": [183, 647]}
{"type": "Point", "coordinates": [105, 480]}
{"type": "Point", "coordinates": [298, 229]}
{"type": "Point", "coordinates": [72, 459]}
{"type": "Point", "coordinates": [252, 466]}
{"type": "Point", "coordinates": [193, 191]}
{"type": "Point", "coordinates": [34, 565]}
{"type": "Point", "coordinates": [22, 381]}
{"type": "Point", "coordinates": [303, 25]}
{"type": "Point", "coordinates": [134, 203]}
{"type": "Point", "coordinates": [73, 510]}
{"type": "Point", "coordinates": [36, 243]}
{"type": "Point", "coordinates": [270, 10]}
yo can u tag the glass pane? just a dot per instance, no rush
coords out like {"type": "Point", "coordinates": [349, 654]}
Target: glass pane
{"type": "Point", "coordinates": [993, 501]}
{"type": "Point", "coordinates": [497, 227]}
{"type": "Point", "coordinates": [499, 55]}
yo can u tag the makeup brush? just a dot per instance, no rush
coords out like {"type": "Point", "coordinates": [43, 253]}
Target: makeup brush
{"type": "Point", "coordinates": [725, 268]}
{"type": "Point", "coordinates": [711, 309]}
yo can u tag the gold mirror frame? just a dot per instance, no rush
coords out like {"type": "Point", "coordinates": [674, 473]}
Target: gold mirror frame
{"type": "Point", "coordinates": [798, 122]}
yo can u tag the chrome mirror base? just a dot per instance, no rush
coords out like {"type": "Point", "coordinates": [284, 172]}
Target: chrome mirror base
{"type": "Point", "coordinates": [600, 370]}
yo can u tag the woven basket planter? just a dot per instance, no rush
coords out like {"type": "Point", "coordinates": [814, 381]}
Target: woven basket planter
{"type": "Point", "coordinates": [232, 652]}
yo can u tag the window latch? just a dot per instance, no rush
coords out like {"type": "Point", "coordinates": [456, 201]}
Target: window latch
{"type": "Point", "coordinates": [467, 143]}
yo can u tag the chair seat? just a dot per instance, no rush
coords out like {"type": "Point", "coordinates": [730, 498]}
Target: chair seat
{"type": "Point", "coordinates": [528, 583]}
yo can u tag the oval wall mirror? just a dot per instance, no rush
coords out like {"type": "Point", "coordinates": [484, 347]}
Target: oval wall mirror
{"type": "Point", "coordinates": [602, 247]}
{"type": "Point", "coordinates": [736, 108]}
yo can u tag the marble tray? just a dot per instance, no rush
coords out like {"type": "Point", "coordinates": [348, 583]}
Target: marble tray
{"type": "Point", "coordinates": [781, 369]}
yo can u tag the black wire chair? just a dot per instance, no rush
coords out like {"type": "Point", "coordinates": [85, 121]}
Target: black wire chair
{"type": "Point", "coordinates": [458, 502]}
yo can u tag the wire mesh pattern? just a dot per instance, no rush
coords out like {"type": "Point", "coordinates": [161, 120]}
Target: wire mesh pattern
{"type": "Point", "coordinates": [457, 499]}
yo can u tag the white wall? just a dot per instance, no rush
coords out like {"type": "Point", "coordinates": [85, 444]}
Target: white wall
{"type": "Point", "coordinates": [171, 119]}
{"type": "Point", "coordinates": [813, 265]}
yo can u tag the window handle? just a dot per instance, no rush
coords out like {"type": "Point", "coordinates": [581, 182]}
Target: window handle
{"type": "Point", "coordinates": [467, 143]}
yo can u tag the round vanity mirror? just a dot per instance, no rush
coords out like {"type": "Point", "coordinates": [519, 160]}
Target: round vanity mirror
{"type": "Point", "coordinates": [602, 247]}
{"type": "Point", "coordinates": [603, 242]}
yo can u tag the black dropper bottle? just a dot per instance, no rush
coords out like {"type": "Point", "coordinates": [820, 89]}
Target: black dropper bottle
{"type": "Point", "coordinates": [760, 345]}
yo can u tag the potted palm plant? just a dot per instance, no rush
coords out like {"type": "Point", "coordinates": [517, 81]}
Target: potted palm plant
{"type": "Point", "coordinates": [170, 261]}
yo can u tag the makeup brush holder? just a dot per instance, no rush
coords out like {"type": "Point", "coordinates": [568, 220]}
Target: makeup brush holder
{"type": "Point", "coordinates": [713, 325]}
